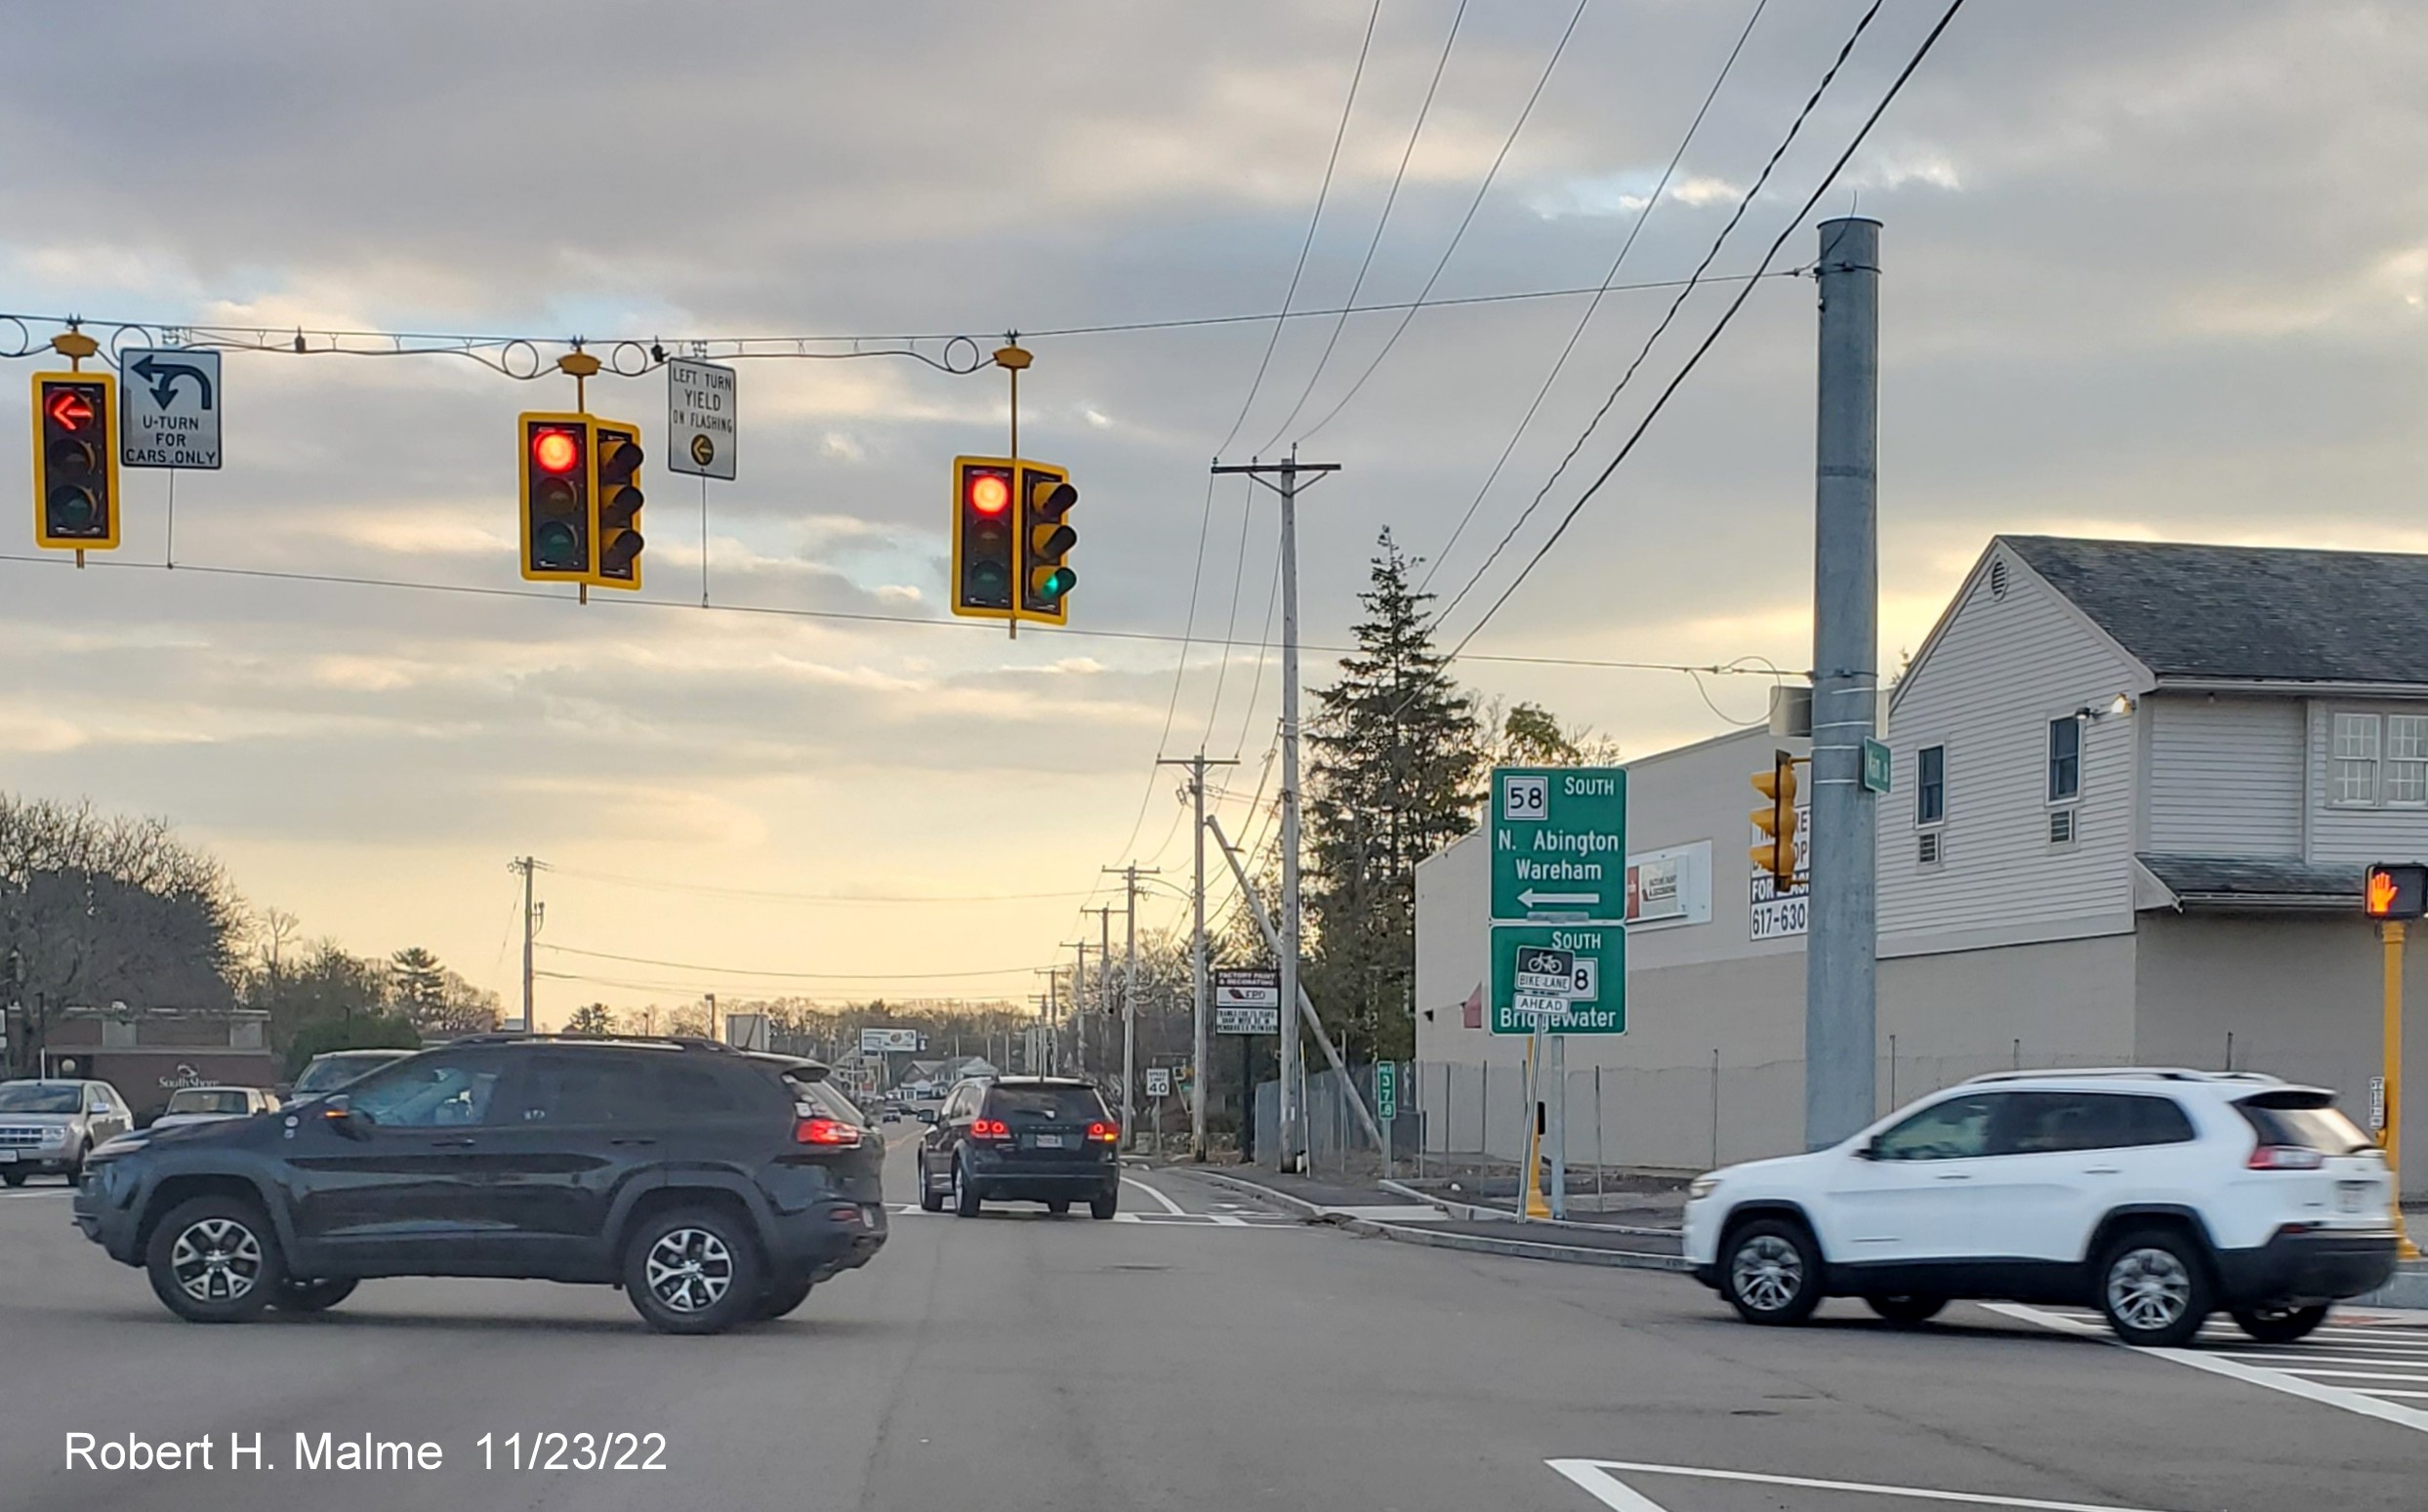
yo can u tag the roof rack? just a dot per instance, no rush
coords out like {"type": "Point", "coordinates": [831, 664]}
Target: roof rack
{"type": "Point", "coordinates": [2138, 1072]}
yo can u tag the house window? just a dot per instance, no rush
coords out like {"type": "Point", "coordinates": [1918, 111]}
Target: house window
{"type": "Point", "coordinates": [2353, 778]}
{"type": "Point", "coordinates": [1930, 785]}
{"type": "Point", "coordinates": [2407, 758]}
{"type": "Point", "coordinates": [2065, 759]}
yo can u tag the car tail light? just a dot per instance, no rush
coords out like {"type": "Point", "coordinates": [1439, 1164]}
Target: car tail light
{"type": "Point", "coordinates": [845, 1212]}
{"type": "Point", "coordinates": [990, 1128]}
{"type": "Point", "coordinates": [2287, 1158]}
{"type": "Point", "coordinates": [825, 1132]}
{"type": "Point", "coordinates": [1102, 1131]}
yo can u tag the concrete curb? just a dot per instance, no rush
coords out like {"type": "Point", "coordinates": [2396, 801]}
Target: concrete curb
{"type": "Point", "coordinates": [1477, 1243]}
{"type": "Point", "coordinates": [1474, 1212]}
{"type": "Point", "coordinates": [2409, 1288]}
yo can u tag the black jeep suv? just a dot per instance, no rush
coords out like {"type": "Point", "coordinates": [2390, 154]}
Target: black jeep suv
{"type": "Point", "coordinates": [713, 1186]}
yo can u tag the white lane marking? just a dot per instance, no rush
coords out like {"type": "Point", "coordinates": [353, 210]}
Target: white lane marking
{"type": "Point", "coordinates": [1595, 1477]}
{"type": "Point", "coordinates": [2351, 1400]}
{"type": "Point", "coordinates": [1168, 1205]}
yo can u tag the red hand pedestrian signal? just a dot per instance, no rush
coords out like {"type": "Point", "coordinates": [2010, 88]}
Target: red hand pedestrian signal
{"type": "Point", "coordinates": [2381, 894]}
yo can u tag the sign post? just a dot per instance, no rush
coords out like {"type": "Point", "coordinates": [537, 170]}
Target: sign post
{"type": "Point", "coordinates": [1387, 1105]}
{"type": "Point", "coordinates": [1558, 947]}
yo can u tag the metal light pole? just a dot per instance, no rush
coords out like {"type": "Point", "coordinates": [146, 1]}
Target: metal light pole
{"type": "Point", "coordinates": [1840, 955]}
{"type": "Point", "coordinates": [1290, 471]}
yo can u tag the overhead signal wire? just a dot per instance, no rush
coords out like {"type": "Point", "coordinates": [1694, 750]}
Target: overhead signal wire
{"type": "Point", "coordinates": [1789, 229]}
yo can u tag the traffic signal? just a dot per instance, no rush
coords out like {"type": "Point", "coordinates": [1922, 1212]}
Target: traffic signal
{"type": "Point", "coordinates": [1777, 854]}
{"type": "Point", "coordinates": [983, 516]}
{"type": "Point", "coordinates": [556, 524]}
{"type": "Point", "coordinates": [2395, 889]}
{"type": "Point", "coordinates": [615, 488]}
{"type": "Point", "coordinates": [1045, 497]}
{"type": "Point", "coordinates": [76, 461]}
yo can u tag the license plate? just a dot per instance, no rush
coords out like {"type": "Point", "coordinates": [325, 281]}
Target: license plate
{"type": "Point", "coordinates": [2349, 1195]}
{"type": "Point", "coordinates": [1045, 1141]}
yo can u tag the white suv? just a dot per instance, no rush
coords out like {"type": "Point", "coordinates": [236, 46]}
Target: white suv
{"type": "Point", "coordinates": [2156, 1195]}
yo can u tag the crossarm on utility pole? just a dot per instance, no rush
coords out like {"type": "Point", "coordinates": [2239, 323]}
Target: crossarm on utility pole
{"type": "Point", "coordinates": [1306, 1006]}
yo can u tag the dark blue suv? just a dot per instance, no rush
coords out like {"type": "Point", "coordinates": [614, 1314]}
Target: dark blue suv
{"type": "Point", "coordinates": [713, 1187]}
{"type": "Point", "coordinates": [1036, 1139]}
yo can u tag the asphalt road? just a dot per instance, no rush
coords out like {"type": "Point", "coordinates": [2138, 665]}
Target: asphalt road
{"type": "Point", "coordinates": [1021, 1362]}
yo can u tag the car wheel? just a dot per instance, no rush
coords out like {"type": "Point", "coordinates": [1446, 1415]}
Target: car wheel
{"type": "Point", "coordinates": [15, 1179]}
{"type": "Point", "coordinates": [1906, 1310]}
{"type": "Point", "coordinates": [75, 1168]}
{"type": "Point", "coordinates": [1106, 1203]}
{"type": "Point", "coordinates": [2278, 1325]}
{"type": "Point", "coordinates": [930, 1199]}
{"type": "Point", "coordinates": [1772, 1268]}
{"type": "Point", "coordinates": [312, 1296]}
{"type": "Point", "coordinates": [778, 1300]}
{"type": "Point", "coordinates": [2154, 1289]}
{"type": "Point", "coordinates": [965, 1193]}
{"type": "Point", "coordinates": [691, 1271]}
{"type": "Point", "coordinates": [215, 1260]}
{"type": "Point", "coordinates": [1058, 1205]}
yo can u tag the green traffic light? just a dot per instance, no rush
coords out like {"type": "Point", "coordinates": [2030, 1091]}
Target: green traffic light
{"type": "Point", "coordinates": [555, 547]}
{"type": "Point", "coordinates": [1055, 584]}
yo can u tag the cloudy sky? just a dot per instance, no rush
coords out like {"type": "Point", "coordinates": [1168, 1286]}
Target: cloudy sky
{"type": "Point", "coordinates": [2152, 269]}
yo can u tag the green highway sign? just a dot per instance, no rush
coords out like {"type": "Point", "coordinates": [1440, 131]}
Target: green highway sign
{"type": "Point", "coordinates": [1875, 766]}
{"type": "Point", "coordinates": [1559, 843]}
{"type": "Point", "coordinates": [1568, 979]}
{"type": "Point", "coordinates": [1386, 1090]}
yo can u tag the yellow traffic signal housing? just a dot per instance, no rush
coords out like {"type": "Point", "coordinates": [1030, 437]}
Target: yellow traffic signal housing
{"type": "Point", "coordinates": [985, 515]}
{"type": "Point", "coordinates": [615, 458]}
{"type": "Point", "coordinates": [557, 528]}
{"type": "Point", "coordinates": [1776, 855]}
{"type": "Point", "coordinates": [76, 461]}
{"type": "Point", "coordinates": [1045, 539]}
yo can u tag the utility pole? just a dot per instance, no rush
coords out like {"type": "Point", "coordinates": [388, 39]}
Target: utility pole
{"type": "Point", "coordinates": [1289, 470]}
{"type": "Point", "coordinates": [527, 866]}
{"type": "Point", "coordinates": [1104, 958]}
{"type": "Point", "coordinates": [1078, 1008]}
{"type": "Point", "coordinates": [1840, 960]}
{"type": "Point", "coordinates": [1197, 1047]}
{"type": "Point", "coordinates": [1129, 1000]}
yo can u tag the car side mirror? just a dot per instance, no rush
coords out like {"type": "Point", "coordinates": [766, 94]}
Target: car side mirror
{"type": "Point", "coordinates": [339, 1115]}
{"type": "Point", "coordinates": [927, 1115]}
{"type": "Point", "coordinates": [1869, 1150]}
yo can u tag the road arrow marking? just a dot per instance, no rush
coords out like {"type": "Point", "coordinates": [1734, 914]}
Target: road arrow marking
{"type": "Point", "coordinates": [1534, 899]}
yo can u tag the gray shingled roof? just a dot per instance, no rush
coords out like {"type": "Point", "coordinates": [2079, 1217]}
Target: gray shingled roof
{"type": "Point", "coordinates": [2223, 880]}
{"type": "Point", "coordinates": [2242, 611]}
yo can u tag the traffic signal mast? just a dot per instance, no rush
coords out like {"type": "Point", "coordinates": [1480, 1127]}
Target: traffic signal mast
{"type": "Point", "coordinates": [1777, 820]}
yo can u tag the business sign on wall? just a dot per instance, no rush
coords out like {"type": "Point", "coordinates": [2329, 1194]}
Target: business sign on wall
{"type": "Point", "coordinates": [1781, 911]}
{"type": "Point", "coordinates": [1670, 886]}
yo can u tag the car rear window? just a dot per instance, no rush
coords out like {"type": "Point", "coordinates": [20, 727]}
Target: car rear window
{"type": "Point", "coordinates": [1046, 1104]}
{"type": "Point", "coordinates": [2308, 1120]}
{"type": "Point", "coordinates": [198, 1101]}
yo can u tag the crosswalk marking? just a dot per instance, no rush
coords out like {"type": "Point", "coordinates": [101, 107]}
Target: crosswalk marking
{"type": "Point", "coordinates": [2392, 1353]}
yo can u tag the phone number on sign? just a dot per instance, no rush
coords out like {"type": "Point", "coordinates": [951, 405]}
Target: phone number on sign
{"type": "Point", "coordinates": [573, 1452]}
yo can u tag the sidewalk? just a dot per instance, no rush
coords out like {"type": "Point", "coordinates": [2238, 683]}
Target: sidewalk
{"type": "Point", "coordinates": [1399, 1212]}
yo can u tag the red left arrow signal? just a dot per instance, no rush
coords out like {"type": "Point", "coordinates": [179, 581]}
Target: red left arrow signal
{"type": "Point", "coordinates": [69, 409]}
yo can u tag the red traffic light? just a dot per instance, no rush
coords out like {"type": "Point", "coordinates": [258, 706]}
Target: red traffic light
{"type": "Point", "coordinates": [990, 493]}
{"type": "Point", "coordinates": [555, 451]}
{"type": "Point", "coordinates": [69, 409]}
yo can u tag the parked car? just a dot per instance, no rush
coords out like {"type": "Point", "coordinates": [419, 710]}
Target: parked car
{"type": "Point", "coordinates": [50, 1126]}
{"type": "Point", "coordinates": [325, 1074]}
{"type": "Point", "coordinates": [208, 1104]}
{"type": "Point", "coordinates": [1036, 1139]}
{"type": "Point", "coordinates": [2156, 1195]}
{"type": "Point", "coordinates": [713, 1186]}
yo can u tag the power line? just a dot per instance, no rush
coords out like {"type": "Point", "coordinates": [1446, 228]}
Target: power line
{"type": "Point", "coordinates": [1827, 178]}
{"type": "Point", "coordinates": [1526, 420]}
{"type": "Point", "coordinates": [1449, 44]}
{"type": "Point", "coordinates": [1465, 222]}
{"type": "Point", "coordinates": [786, 976]}
{"type": "Point", "coordinates": [1321, 195]}
{"type": "Point", "coordinates": [692, 989]}
{"type": "Point", "coordinates": [849, 616]}
{"type": "Point", "coordinates": [1744, 203]}
{"type": "Point", "coordinates": [713, 890]}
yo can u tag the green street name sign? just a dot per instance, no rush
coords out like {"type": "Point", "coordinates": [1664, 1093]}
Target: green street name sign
{"type": "Point", "coordinates": [1559, 843]}
{"type": "Point", "coordinates": [1875, 766]}
{"type": "Point", "coordinates": [1566, 979]}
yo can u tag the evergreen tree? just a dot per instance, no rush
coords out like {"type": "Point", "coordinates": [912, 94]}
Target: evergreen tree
{"type": "Point", "coordinates": [591, 1018]}
{"type": "Point", "coordinates": [1393, 779]}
